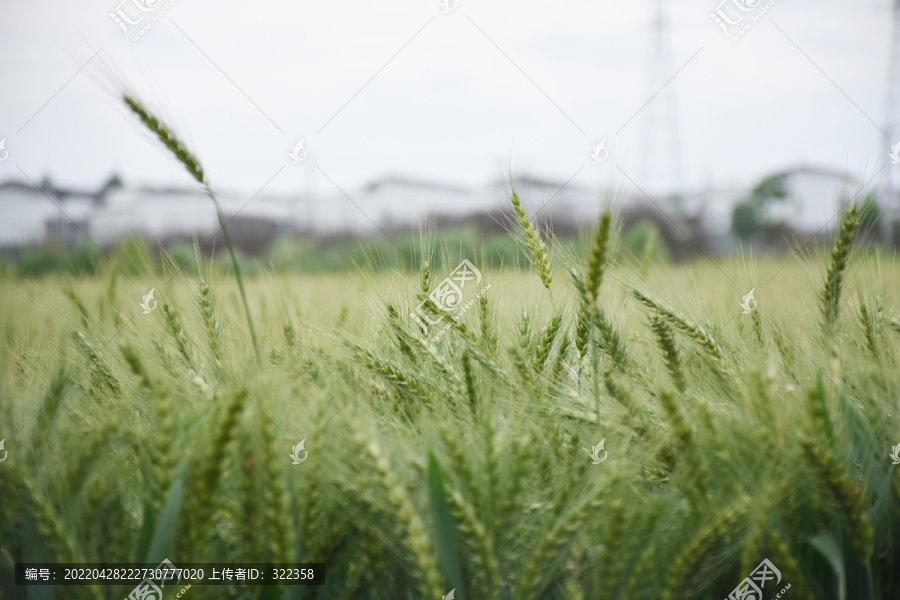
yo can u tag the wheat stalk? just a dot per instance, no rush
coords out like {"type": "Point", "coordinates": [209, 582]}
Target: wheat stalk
{"type": "Point", "coordinates": [190, 162]}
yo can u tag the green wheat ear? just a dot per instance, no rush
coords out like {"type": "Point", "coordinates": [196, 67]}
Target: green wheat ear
{"type": "Point", "coordinates": [597, 260]}
{"type": "Point", "coordinates": [168, 138]}
{"type": "Point", "coordinates": [688, 327]}
{"type": "Point", "coordinates": [830, 297]}
{"type": "Point", "coordinates": [539, 254]}
{"type": "Point", "coordinates": [185, 157]}
{"type": "Point", "coordinates": [670, 351]}
{"type": "Point", "coordinates": [213, 328]}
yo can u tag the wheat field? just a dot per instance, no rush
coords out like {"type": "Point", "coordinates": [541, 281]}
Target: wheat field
{"type": "Point", "coordinates": [729, 437]}
{"type": "Point", "coordinates": [595, 427]}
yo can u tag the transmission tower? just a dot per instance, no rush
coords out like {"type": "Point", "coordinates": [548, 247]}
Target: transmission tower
{"type": "Point", "coordinates": [889, 208]}
{"type": "Point", "coordinates": [661, 148]}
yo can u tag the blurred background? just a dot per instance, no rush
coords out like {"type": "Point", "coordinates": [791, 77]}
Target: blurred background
{"type": "Point", "coordinates": [715, 126]}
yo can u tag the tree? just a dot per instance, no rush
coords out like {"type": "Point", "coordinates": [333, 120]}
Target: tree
{"type": "Point", "coordinates": [748, 219]}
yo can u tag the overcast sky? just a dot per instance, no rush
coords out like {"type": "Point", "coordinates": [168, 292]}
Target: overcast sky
{"type": "Point", "coordinates": [401, 88]}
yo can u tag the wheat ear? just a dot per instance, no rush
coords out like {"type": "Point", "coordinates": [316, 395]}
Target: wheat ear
{"type": "Point", "coordinates": [684, 438]}
{"type": "Point", "coordinates": [670, 351]}
{"type": "Point", "coordinates": [213, 329]}
{"type": "Point", "coordinates": [833, 476]}
{"type": "Point", "coordinates": [545, 345]}
{"type": "Point", "coordinates": [213, 467]}
{"type": "Point", "coordinates": [185, 157]}
{"type": "Point", "coordinates": [690, 562]}
{"type": "Point", "coordinates": [691, 329]}
{"type": "Point", "coordinates": [830, 297]}
{"type": "Point", "coordinates": [101, 372]}
{"type": "Point", "coordinates": [584, 320]}
{"type": "Point", "coordinates": [176, 329]}
{"type": "Point", "coordinates": [599, 251]}
{"type": "Point", "coordinates": [539, 254]}
{"type": "Point", "coordinates": [552, 548]}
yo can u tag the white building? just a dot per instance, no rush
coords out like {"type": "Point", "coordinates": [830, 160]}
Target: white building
{"type": "Point", "coordinates": [28, 215]}
{"type": "Point", "coordinates": [815, 199]}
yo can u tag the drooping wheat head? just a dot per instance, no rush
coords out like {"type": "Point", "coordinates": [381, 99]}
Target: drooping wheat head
{"type": "Point", "coordinates": [190, 162]}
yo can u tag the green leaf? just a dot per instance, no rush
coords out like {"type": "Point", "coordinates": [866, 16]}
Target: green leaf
{"type": "Point", "coordinates": [162, 541]}
{"type": "Point", "coordinates": [443, 528]}
{"type": "Point", "coordinates": [147, 528]}
{"type": "Point", "coordinates": [827, 545]}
